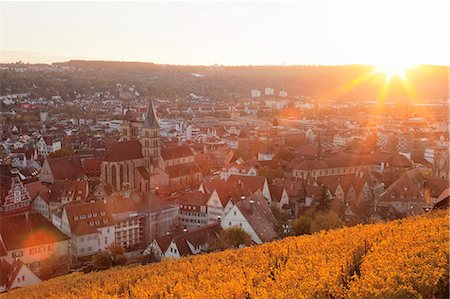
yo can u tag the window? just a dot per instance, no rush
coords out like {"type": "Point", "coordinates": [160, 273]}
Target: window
{"type": "Point", "coordinates": [229, 223]}
{"type": "Point", "coordinates": [49, 248]}
{"type": "Point", "coordinates": [106, 240]}
{"type": "Point", "coordinates": [32, 251]}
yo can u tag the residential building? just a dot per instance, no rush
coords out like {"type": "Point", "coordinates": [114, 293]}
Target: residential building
{"type": "Point", "coordinates": [188, 242]}
{"type": "Point", "coordinates": [254, 216]}
{"type": "Point", "coordinates": [31, 238]}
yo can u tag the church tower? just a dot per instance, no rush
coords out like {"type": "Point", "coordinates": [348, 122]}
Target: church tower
{"type": "Point", "coordinates": [151, 138]}
{"type": "Point", "coordinates": [129, 132]}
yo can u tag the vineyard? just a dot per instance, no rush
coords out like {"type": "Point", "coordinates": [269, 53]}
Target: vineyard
{"type": "Point", "coordinates": [402, 259]}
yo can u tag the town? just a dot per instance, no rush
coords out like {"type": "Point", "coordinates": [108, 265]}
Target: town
{"type": "Point", "coordinates": [119, 174]}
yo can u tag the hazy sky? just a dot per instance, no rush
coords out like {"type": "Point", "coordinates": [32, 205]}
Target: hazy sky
{"type": "Point", "coordinates": [320, 32]}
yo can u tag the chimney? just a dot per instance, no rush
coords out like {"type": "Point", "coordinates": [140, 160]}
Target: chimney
{"type": "Point", "coordinates": [252, 206]}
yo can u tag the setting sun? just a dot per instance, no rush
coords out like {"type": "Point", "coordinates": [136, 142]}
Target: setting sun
{"type": "Point", "coordinates": [392, 69]}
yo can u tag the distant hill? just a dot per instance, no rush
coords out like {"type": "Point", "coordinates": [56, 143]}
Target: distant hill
{"type": "Point", "coordinates": [354, 82]}
{"type": "Point", "coordinates": [402, 259]}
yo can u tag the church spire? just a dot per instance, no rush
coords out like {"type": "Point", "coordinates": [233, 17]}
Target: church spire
{"type": "Point", "coordinates": [150, 120]}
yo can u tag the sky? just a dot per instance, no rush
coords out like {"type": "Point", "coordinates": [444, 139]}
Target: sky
{"type": "Point", "coordinates": [229, 33]}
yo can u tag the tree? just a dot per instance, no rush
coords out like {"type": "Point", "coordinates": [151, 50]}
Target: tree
{"type": "Point", "coordinates": [117, 254]}
{"type": "Point", "coordinates": [315, 221]}
{"type": "Point", "coordinates": [325, 221]}
{"type": "Point", "coordinates": [102, 260]}
{"type": "Point", "coordinates": [302, 225]}
{"type": "Point", "coordinates": [232, 237]}
{"type": "Point", "coordinates": [151, 257]}
{"type": "Point", "coordinates": [324, 200]}
{"type": "Point", "coordinates": [54, 266]}
{"type": "Point", "coordinates": [66, 151]}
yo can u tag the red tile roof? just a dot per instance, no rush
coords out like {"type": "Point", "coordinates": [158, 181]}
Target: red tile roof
{"type": "Point", "coordinates": [182, 170]}
{"type": "Point", "coordinates": [66, 168]}
{"type": "Point", "coordinates": [197, 237]}
{"type": "Point", "coordinates": [124, 151]}
{"type": "Point", "coordinates": [20, 231]}
{"type": "Point", "coordinates": [36, 188]}
{"type": "Point", "coordinates": [92, 166]}
{"type": "Point", "coordinates": [95, 214]}
{"type": "Point", "coordinates": [260, 217]}
{"type": "Point", "coordinates": [175, 152]}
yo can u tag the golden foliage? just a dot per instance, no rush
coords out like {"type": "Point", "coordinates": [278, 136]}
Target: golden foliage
{"type": "Point", "coordinates": [404, 258]}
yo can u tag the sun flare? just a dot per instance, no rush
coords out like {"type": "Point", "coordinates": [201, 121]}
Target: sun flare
{"type": "Point", "coordinates": [391, 70]}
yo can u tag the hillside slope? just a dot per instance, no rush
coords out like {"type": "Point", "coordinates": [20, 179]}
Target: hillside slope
{"type": "Point", "coordinates": [402, 259]}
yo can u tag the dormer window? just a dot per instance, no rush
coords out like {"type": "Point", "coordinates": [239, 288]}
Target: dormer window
{"type": "Point", "coordinates": [82, 216]}
{"type": "Point", "coordinates": [75, 217]}
{"type": "Point", "coordinates": [102, 213]}
{"type": "Point", "coordinates": [105, 220]}
{"type": "Point", "coordinates": [89, 215]}
{"type": "Point", "coordinates": [94, 214]}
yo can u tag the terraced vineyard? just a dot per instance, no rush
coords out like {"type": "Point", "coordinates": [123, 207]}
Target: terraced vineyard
{"type": "Point", "coordinates": [401, 259]}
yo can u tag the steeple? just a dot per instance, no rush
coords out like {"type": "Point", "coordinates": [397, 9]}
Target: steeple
{"type": "Point", "coordinates": [150, 120]}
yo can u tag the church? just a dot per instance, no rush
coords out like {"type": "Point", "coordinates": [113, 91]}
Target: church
{"type": "Point", "coordinates": [137, 163]}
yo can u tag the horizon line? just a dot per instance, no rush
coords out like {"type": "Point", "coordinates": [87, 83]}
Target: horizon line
{"type": "Point", "coordinates": [211, 65]}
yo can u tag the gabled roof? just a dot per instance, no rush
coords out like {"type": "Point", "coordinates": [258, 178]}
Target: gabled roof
{"type": "Point", "coordinates": [276, 192]}
{"type": "Point", "coordinates": [194, 198]}
{"type": "Point", "coordinates": [250, 183]}
{"type": "Point", "coordinates": [92, 165]}
{"type": "Point", "coordinates": [36, 188]}
{"type": "Point", "coordinates": [66, 168]}
{"type": "Point", "coordinates": [409, 187]}
{"type": "Point", "coordinates": [124, 151]}
{"type": "Point", "coordinates": [259, 216]}
{"type": "Point", "coordinates": [196, 237]}
{"type": "Point", "coordinates": [22, 231]}
{"type": "Point", "coordinates": [136, 202]}
{"type": "Point", "coordinates": [86, 218]}
{"type": "Point", "coordinates": [174, 152]}
{"type": "Point", "coordinates": [400, 161]}
{"type": "Point", "coordinates": [310, 165]}
{"type": "Point", "coordinates": [182, 170]}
